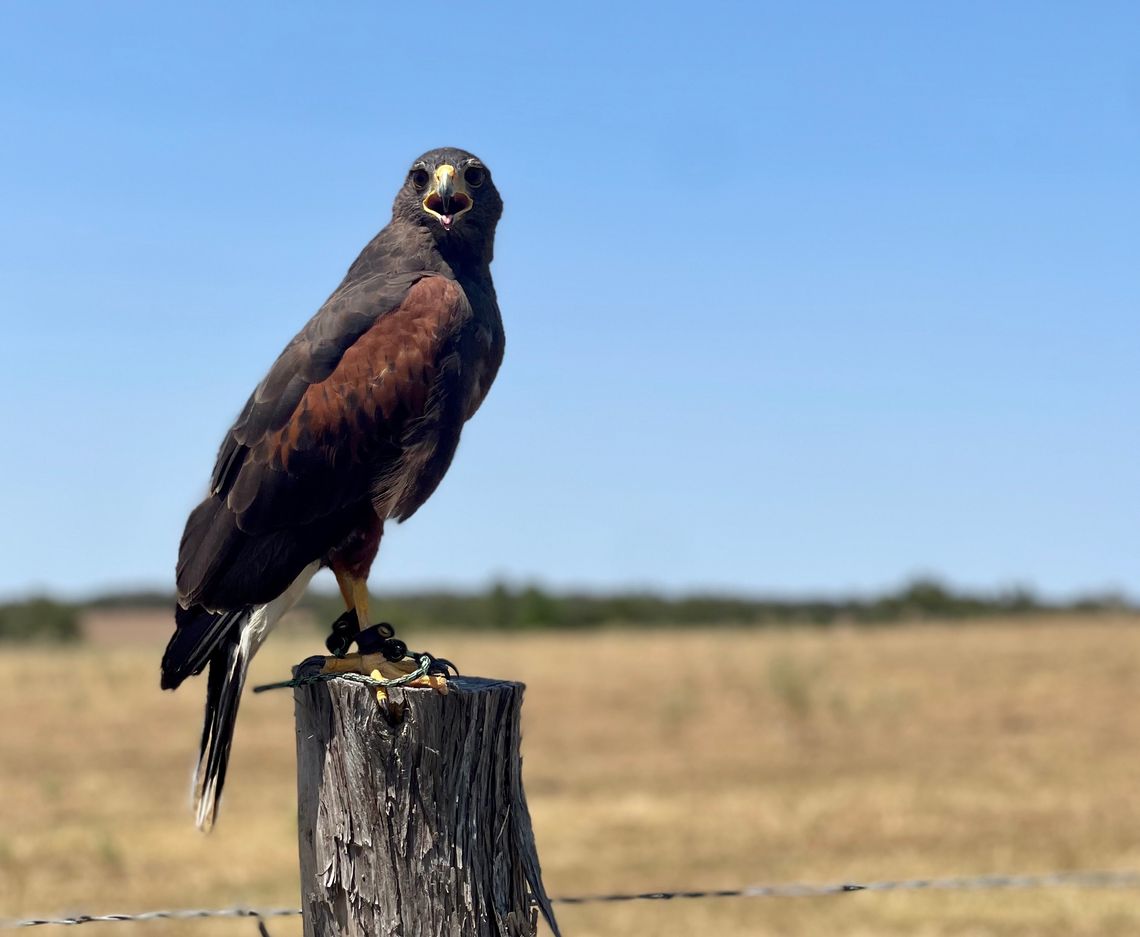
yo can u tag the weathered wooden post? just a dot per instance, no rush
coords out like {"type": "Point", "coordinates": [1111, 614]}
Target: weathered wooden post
{"type": "Point", "coordinates": [413, 820]}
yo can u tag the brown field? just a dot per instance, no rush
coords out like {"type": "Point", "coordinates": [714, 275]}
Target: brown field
{"type": "Point", "coordinates": [653, 761]}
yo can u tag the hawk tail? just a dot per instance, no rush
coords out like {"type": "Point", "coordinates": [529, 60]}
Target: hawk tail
{"type": "Point", "coordinates": [198, 634]}
{"type": "Point", "coordinates": [225, 642]}
{"type": "Point", "coordinates": [228, 666]}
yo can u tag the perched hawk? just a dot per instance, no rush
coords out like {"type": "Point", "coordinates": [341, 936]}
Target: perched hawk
{"type": "Point", "coordinates": [355, 424]}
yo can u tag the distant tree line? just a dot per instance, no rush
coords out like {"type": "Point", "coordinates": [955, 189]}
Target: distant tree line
{"type": "Point", "coordinates": [533, 608]}
{"type": "Point", "coordinates": [39, 619]}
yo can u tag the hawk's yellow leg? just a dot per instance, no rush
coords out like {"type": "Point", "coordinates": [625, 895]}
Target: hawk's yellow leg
{"type": "Point", "coordinates": [355, 594]}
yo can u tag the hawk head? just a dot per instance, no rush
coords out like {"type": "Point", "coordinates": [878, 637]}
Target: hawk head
{"type": "Point", "coordinates": [450, 192]}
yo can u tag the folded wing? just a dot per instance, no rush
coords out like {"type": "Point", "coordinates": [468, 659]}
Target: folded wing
{"type": "Point", "coordinates": [331, 418]}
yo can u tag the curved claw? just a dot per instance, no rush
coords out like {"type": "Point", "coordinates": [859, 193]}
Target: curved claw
{"type": "Point", "coordinates": [310, 666]}
{"type": "Point", "coordinates": [436, 665]}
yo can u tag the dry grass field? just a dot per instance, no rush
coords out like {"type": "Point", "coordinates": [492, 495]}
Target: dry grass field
{"type": "Point", "coordinates": [653, 761]}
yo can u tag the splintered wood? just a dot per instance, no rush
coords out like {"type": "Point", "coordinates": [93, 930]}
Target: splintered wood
{"type": "Point", "coordinates": [412, 815]}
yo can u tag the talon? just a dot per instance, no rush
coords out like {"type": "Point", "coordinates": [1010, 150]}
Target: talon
{"type": "Point", "coordinates": [311, 666]}
{"type": "Point", "coordinates": [442, 666]}
{"type": "Point", "coordinates": [367, 663]}
{"type": "Point", "coordinates": [381, 668]}
{"type": "Point", "coordinates": [439, 665]}
{"type": "Point", "coordinates": [380, 653]}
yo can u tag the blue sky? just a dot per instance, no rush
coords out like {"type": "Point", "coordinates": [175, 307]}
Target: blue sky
{"type": "Point", "coordinates": [799, 297]}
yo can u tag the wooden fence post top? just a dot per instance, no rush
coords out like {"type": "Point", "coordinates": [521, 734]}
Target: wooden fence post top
{"type": "Point", "coordinates": [412, 815]}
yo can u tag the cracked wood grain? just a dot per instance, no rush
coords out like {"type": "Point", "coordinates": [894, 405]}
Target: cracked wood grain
{"type": "Point", "coordinates": [416, 825]}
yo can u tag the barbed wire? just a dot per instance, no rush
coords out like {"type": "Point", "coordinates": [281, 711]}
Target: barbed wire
{"type": "Point", "coordinates": [179, 915]}
{"type": "Point", "coordinates": [1088, 879]}
{"type": "Point", "coordinates": [1127, 878]}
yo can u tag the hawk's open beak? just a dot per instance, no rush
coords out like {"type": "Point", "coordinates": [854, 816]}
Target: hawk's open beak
{"type": "Point", "coordinates": [448, 197]}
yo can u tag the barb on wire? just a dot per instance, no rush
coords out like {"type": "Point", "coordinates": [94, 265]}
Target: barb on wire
{"type": "Point", "coordinates": [1127, 878]}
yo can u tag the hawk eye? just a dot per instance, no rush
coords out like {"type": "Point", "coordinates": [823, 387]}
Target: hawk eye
{"type": "Point", "coordinates": [419, 179]}
{"type": "Point", "coordinates": [474, 176]}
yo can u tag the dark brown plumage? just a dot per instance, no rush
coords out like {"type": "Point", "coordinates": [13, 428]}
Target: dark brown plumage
{"type": "Point", "coordinates": [356, 422]}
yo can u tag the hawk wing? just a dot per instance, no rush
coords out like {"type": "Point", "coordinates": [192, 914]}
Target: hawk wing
{"type": "Point", "coordinates": [329, 422]}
